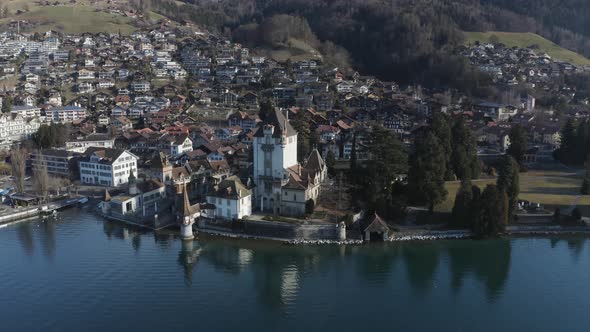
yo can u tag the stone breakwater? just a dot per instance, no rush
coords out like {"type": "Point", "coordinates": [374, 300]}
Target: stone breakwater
{"type": "Point", "coordinates": [240, 236]}
{"type": "Point", "coordinates": [285, 241]}
{"type": "Point", "coordinates": [322, 242]}
{"type": "Point", "coordinates": [429, 236]}
{"type": "Point", "coordinates": [417, 235]}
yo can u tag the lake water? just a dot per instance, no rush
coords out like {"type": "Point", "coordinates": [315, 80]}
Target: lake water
{"type": "Point", "coordinates": [80, 273]}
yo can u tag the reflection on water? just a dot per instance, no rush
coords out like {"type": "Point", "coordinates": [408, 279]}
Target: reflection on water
{"type": "Point", "coordinates": [105, 259]}
{"type": "Point", "coordinates": [48, 238]}
{"type": "Point", "coordinates": [487, 260]}
{"type": "Point", "coordinates": [25, 236]}
{"type": "Point", "coordinates": [421, 264]}
{"type": "Point", "coordinates": [188, 258]}
{"type": "Point", "coordinates": [574, 243]}
{"type": "Point", "coordinates": [280, 270]}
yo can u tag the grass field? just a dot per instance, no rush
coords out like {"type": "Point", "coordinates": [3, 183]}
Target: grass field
{"type": "Point", "coordinates": [9, 82]}
{"type": "Point", "coordinates": [296, 50]}
{"type": "Point", "coordinates": [550, 188]}
{"type": "Point", "coordinates": [69, 18]}
{"type": "Point", "coordinates": [512, 39]}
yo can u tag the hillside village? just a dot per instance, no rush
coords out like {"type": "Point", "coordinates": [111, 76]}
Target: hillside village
{"type": "Point", "coordinates": [168, 111]}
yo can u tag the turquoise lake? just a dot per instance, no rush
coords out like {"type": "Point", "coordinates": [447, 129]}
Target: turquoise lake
{"type": "Point", "coordinates": [80, 273]}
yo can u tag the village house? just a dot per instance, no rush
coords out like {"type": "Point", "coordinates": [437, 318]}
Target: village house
{"type": "Point", "coordinates": [142, 199]}
{"type": "Point", "coordinates": [82, 143]}
{"type": "Point", "coordinates": [229, 199]}
{"type": "Point", "coordinates": [59, 163]}
{"type": "Point", "coordinates": [66, 114]}
{"type": "Point", "coordinates": [107, 167]}
{"type": "Point", "coordinates": [122, 123]}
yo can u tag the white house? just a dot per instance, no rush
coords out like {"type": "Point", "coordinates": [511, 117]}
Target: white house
{"type": "Point", "coordinates": [140, 86]}
{"type": "Point", "coordinates": [142, 199]}
{"type": "Point", "coordinates": [344, 87]}
{"type": "Point", "coordinates": [107, 167]}
{"type": "Point", "coordinates": [85, 74]}
{"type": "Point", "coordinates": [176, 145]}
{"type": "Point", "coordinates": [230, 199]}
{"type": "Point", "coordinates": [66, 114]}
{"type": "Point", "coordinates": [15, 127]}
{"type": "Point", "coordinates": [26, 112]}
{"type": "Point", "coordinates": [81, 144]}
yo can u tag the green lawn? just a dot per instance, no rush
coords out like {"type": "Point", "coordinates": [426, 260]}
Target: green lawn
{"type": "Point", "coordinates": [550, 188]}
{"type": "Point", "coordinates": [524, 40]}
{"type": "Point", "coordinates": [76, 18]}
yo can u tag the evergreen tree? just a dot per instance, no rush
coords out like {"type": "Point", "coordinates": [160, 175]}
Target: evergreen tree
{"type": "Point", "coordinates": [567, 146]}
{"type": "Point", "coordinates": [508, 182]}
{"type": "Point", "coordinates": [49, 136]}
{"type": "Point", "coordinates": [492, 212]}
{"type": "Point", "coordinates": [141, 123]}
{"type": "Point", "coordinates": [266, 108]}
{"type": "Point", "coordinates": [442, 130]}
{"type": "Point", "coordinates": [388, 158]}
{"type": "Point", "coordinates": [353, 157]}
{"type": "Point", "coordinates": [331, 162]}
{"type": "Point", "coordinates": [518, 144]}
{"type": "Point", "coordinates": [464, 155]}
{"type": "Point", "coordinates": [585, 189]}
{"type": "Point", "coordinates": [388, 161]}
{"type": "Point", "coordinates": [6, 104]}
{"type": "Point", "coordinates": [305, 141]}
{"type": "Point", "coordinates": [462, 209]}
{"type": "Point", "coordinates": [582, 138]}
{"type": "Point", "coordinates": [427, 171]}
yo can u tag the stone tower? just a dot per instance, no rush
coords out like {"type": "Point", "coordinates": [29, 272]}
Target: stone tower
{"type": "Point", "coordinates": [132, 184]}
{"type": "Point", "coordinates": [185, 212]}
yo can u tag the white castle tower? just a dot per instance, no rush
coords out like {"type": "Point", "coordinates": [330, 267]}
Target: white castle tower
{"type": "Point", "coordinates": [275, 150]}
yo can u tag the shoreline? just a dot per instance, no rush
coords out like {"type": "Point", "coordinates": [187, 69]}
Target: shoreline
{"type": "Point", "coordinates": [530, 231]}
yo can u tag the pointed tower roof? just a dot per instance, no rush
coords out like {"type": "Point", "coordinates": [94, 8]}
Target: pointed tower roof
{"type": "Point", "coordinates": [159, 161]}
{"type": "Point", "coordinates": [281, 124]}
{"type": "Point", "coordinates": [184, 206]}
{"type": "Point", "coordinates": [107, 196]}
{"type": "Point", "coordinates": [315, 162]}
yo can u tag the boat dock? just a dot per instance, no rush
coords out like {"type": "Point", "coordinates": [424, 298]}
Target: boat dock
{"type": "Point", "coordinates": [12, 215]}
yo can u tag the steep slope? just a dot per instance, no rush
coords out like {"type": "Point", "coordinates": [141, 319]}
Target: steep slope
{"type": "Point", "coordinates": [526, 39]}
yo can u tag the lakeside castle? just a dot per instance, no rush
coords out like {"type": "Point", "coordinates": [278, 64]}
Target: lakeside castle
{"type": "Point", "coordinates": [283, 185]}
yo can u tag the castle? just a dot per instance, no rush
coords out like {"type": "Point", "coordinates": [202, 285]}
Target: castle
{"type": "Point", "coordinates": [283, 185]}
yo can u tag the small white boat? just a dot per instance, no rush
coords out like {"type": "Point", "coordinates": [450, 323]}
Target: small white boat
{"type": "Point", "coordinates": [83, 200]}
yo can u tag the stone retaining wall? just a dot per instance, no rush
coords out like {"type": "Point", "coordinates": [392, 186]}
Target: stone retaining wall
{"type": "Point", "coordinates": [270, 229]}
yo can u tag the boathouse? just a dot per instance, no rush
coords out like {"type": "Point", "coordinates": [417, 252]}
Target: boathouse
{"type": "Point", "coordinates": [375, 229]}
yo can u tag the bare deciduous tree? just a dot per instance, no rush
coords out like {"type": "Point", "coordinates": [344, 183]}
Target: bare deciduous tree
{"type": "Point", "coordinates": [58, 184]}
{"type": "Point", "coordinates": [18, 162]}
{"type": "Point", "coordinates": [40, 176]}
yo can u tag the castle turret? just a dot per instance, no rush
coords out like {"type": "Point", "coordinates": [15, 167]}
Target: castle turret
{"type": "Point", "coordinates": [185, 212]}
{"type": "Point", "coordinates": [106, 203]}
{"type": "Point", "coordinates": [132, 182]}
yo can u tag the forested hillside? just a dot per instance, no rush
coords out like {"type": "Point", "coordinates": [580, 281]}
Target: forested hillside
{"type": "Point", "coordinates": [406, 40]}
